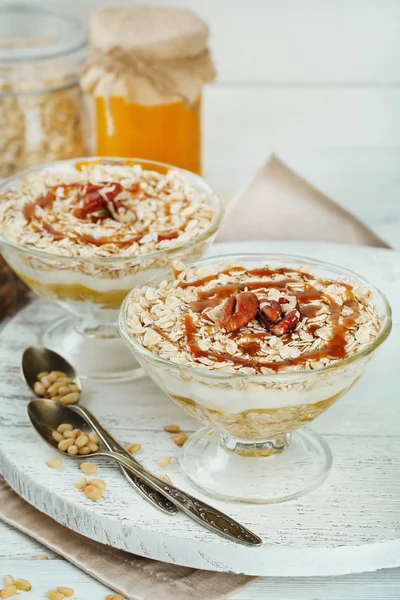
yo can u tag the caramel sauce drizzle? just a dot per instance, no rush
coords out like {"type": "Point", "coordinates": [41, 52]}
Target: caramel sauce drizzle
{"type": "Point", "coordinates": [335, 348]}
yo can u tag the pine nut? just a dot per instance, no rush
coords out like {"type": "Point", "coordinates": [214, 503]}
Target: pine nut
{"type": "Point", "coordinates": [65, 444]}
{"type": "Point", "coordinates": [54, 463]}
{"type": "Point", "coordinates": [93, 437]}
{"type": "Point", "coordinates": [63, 390]}
{"type": "Point", "coordinates": [59, 373]}
{"type": "Point", "coordinates": [114, 597]}
{"type": "Point", "coordinates": [76, 432]}
{"type": "Point", "coordinates": [84, 451]}
{"type": "Point", "coordinates": [69, 434]}
{"type": "Point", "coordinates": [53, 390]}
{"type": "Point", "coordinates": [38, 388]}
{"type": "Point", "coordinates": [93, 447]}
{"type": "Point", "coordinates": [64, 427]}
{"type": "Point", "coordinates": [71, 398]}
{"type": "Point", "coordinates": [93, 493]}
{"type": "Point", "coordinates": [134, 448]}
{"type": "Point", "coordinates": [88, 468]}
{"type": "Point", "coordinates": [52, 377]}
{"type": "Point", "coordinates": [42, 557]}
{"type": "Point", "coordinates": [64, 380]}
{"type": "Point", "coordinates": [45, 382]}
{"type": "Point", "coordinates": [9, 591]}
{"type": "Point", "coordinates": [179, 439]}
{"type": "Point", "coordinates": [9, 580]}
{"type": "Point", "coordinates": [23, 584]}
{"type": "Point", "coordinates": [72, 450]}
{"type": "Point", "coordinates": [81, 483]}
{"type": "Point", "coordinates": [73, 387]}
{"type": "Point", "coordinates": [172, 428]}
{"type": "Point", "coordinates": [166, 478]}
{"type": "Point", "coordinates": [42, 374]}
{"type": "Point", "coordinates": [54, 595]}
{"type": "Point", "coordinates": [99, 483]}
{"type": "Point", "coordinates": [57, 436]}
{"type": "Point", "coordinates": [163, 462]}
{"type": "Point", "coordinates": [55, 398]}
{"type": "Point", "coordinates": [65, 590]}
{"type": "Point", "coordinates": [82, 440]}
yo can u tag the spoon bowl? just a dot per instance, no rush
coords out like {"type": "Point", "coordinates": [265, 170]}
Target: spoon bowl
{"type": "Point", "coordinates": [37, 359]}
{"type": "Point", "coordinates": [47, 415]}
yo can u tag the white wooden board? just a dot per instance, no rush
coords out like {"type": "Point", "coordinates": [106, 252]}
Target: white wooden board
{"type": "Point", "coordinates": [349, 525]}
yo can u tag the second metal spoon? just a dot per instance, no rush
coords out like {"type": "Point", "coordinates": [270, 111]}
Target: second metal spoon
{"type": "Point", "coordinates": [47, 415]}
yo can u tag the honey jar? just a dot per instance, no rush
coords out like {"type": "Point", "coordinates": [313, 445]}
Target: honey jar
{"type": "Point", "coordinates": [142, 83]}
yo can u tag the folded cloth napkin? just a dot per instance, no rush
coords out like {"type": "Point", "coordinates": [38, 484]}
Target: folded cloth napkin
{"type": "Point", "coordinates": [277, 204]}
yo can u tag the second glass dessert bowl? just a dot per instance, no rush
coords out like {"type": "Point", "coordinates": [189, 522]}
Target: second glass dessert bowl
{"type": "Point", "coordinates": [77, 242]}
{"type": "Point", "coordinates": [211, 340]}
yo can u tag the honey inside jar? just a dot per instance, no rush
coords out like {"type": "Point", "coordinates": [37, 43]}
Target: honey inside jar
{"type": "Point", "coordinates": [169, 132]}
{"type": "Point", "coordinates": [142, 84]}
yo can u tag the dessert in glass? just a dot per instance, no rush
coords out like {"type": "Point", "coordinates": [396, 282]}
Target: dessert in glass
{"type": "Point", "coordinates": [85, 232]}
{"type": "Point", "coordinates": [255, 346]}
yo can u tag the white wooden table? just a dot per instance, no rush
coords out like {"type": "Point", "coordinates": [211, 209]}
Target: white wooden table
{"type": "Point", "coordinates": [319, 84]}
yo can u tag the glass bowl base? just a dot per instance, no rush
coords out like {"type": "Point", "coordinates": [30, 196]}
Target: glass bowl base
{"type": "Point", "coordinates": [291, 470]}
{"type": "Point", "coordinates": [98, 354]}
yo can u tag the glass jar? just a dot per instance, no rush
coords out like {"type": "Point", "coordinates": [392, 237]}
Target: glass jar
{"type": "Point", "coordinates": [142, 83]}
{"type": "Point", "coordinates": [41, 54]}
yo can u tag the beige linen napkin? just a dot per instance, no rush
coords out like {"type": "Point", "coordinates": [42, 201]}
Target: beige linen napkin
{"type": "Point", "coordinates": [134, 577]}
{"type": "Point", "coordinates": [277, 204]}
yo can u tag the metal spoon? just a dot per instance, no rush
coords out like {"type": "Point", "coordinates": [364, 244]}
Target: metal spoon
{"type": "Point", "coordinates": [47, 415]}
{"type": "Point", "coordinates": [37, 359]}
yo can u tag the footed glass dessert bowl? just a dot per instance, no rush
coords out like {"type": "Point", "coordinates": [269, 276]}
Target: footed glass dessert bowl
{"type": "Point", "coordinates": [256, 347]}
{"type": "Point", "coordinates": [84, 232]}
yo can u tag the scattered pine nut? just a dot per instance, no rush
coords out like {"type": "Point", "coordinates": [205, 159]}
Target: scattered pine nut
{"type": "Point", "coordinates": [97, 483]}
{"type": "Point", "coordinates": [179, 439]}
{"type": "Point", "coordinates": [164, 462]}
{"type": "Point", "coordinates": [134, 448]}
{"type": "Point", "coordinates": [42, 557]}
{"type": "Point", "coordinates": [88, 468]}
{"type": "Point", "coordinates": [72, 450]}
{"type": "Point", "coordinates": [172, 428]}
{"type": "Point", "coordinates": [66, 591]}
{"type": "Point", "coordinates": [166, 478]}
{"type": "Point", "coordinates": [54, 595]}
{"type": "Point", "coordinates": [114, 597]}
{"type": "Point", "coordinates": [93, 493]}
{"type": "Point", "coordinates": [23, 584]}
{"type": "Point", "coordinates": [81, 483]}
{"type": "Point", "coordinates": [8, 580]}
{"type": "Point", "coordinates": [64, 427]}
{"type": "Point", "coordinates": [8, 592]}
{"type": "Point", "coordinates": [54, 463]}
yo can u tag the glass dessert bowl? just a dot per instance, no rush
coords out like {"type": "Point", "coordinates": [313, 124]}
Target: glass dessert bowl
{"type": "Point", "coordinates": [84, 232]}
{"type": "Point", "coordinates": [255, 346]}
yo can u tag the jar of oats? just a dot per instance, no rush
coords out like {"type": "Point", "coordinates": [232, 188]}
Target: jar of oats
{"type": "Point", "coordinates": [41, 54]}
{"type": "Point", "coordinates": [143, 81]}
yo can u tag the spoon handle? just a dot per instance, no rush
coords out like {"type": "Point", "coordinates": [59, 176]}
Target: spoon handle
{"type": "Point", "coordinates": [203, 513]}
{"type": "Point", "coordinates": [154, 496]}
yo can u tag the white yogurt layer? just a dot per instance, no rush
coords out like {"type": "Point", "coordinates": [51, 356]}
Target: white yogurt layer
{"type": "Point", "coordinates": [233, 400]}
